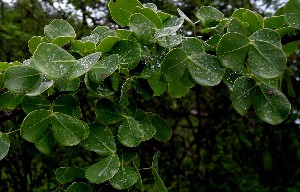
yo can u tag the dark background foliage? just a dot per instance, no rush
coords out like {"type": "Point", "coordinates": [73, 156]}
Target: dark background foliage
{"type": "Point", "coordinates": [212, 147]}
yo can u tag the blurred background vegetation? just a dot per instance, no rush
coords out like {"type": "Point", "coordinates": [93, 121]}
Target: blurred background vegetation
{"type": "Point", "coordinates": [212, 147]}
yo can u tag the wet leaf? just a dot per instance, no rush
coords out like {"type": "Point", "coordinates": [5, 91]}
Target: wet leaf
{"type": "Point", "coordinates": [292, 13]}
{"type": "Point", "coordinates": [205, 69]}
{"type": "Point", "coordinates": [78, 187]}
{"type": "Point", "coordinates": [143, 28]}
{"type": "Point", "coordinates": [67, 130]}
{"type": "Point", "coordinates": [242, 94]}
{"type": "Point", "coordinates": [21, 79]}
{"type": "Point", "coordinates": [53, 60]}
{"type": "Point", "coordinates": [232, 50]}
{"type": "Point", "coordinates": [36, 125]}
{"type": "Point", "coordinates": [270, 104]}
{"type": "Point", "coordinates": [103, 170]}
{"type": "Point", "coordinates": [108, 112]}
{"type": "Point", "coordinates": [67, 174]}
{"type": "Point", "coordinates": [274, 22]}
{"type": "Point", "coordinates": [30, 104]}
{"type": "Point", "coordinates": [174, 64]}
{"type": "Point", "coordinates": [43, 86]}
{"type": "Point", "coordinates": [170, 26]}
{"type": "Point", "coordinates": [103, 32]}
{"type": "Point", "coordinates": [129, 53]}
{"type": "Point", "coordinates": [67, 85]}
{"type": "Point", "coordinates": [125, 178]}
{"type": "Point", "coordinates": [4, 145]}
{"type": "Point", "coordinates": [107, 43]}
{"type": "Point", "coordinates": [163, 130]}
{"type": "Point", "coordinates": [158, 182]}
{"type": "Point", "coordinates": [192, 45]}
{"type": "Point", "coordinates": [130, 133]}
{"type": "Point", "coordinates": [59, 32]}
{"type": "Point", "coordinates": [67, 104]}
{"type": "Point", "coordinates": [170, 41]}
{"type": "Point", "coordinates": [83, 65]}
{"type": "Point", "coordinates": [209, 16]}
{"type": "Point", "coordinates": [104, 68]}
{"type": "Point", "coordinates": [151, 15]}
{"type": "Point", "coordinates": [100, 140]}
{"type": "Point", "coordinates": [121, 10]}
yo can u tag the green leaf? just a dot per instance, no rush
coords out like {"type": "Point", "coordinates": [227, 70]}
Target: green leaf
{"type": "Point", "coordinates": [53, 60]}
{"type": "Point", "coordinates": [177, 89]}
{"type": "Point", "coordinates": [9, 101]}
{"type": "Point", "coordinates": [232, 50]}
{"type": "Point", "coordinates": [185, 17]}
{"type": "Point", "coordinates": [267, 35]}
{"type": "Point", "coordinates": [125, 178]}
{"type": "Point", "coordinates": [158, 182]}
{"type": "Point", "coordinates": [143, 28]}
{"type": "Point", "coordinates": [174, 64]}
{"type": "Point", "coordinates": [67, 85]}
{"type": "Point", "coordinates": [242, 94]}
{"type": "Point", "coordinates": [157, 84]}
{"type": "Point", "coordinates": [291, 48]}
{"type": "Point", "coordinates": [67, 174]}
{"type": "Point", "coordinates": [205, 69]}
{"type": "Point", "coordinates": [229, 78]}
{"type": "Point", "coordinates": [163, 130]}
{"type": "Point", "coordinates": [130, 133]}
{"type": "Point", "coordinates": [192, 45]}
{"type": "Point", "coordinates": [83, 65]}
{"type": "Point", "coordinates": [100, 140]}
{"type": "Point", "coordinates": [254, 21]}
{"type": "Point", "coordinates": [4, 65]}
{"type": "Point", "coordinates": [170, 41]}
{"type": "Point", "coordinates": [43, 86]}
{"type": "Point", "coordinates": [68, 105]}
{"type": "Point", "coordinates": [126, 87]}
{"type": "Point", "coordinates": [123, 33]}
{"type": "Point", "coordinates": [102, 89]}
{"type": "Point", "coordinates": [78, 187]}
{"type": "Point", "coordinates": [129, 53]}
{"type": "Point", "coordinates": [121, 10]}
{"type": "Point", "coordinates": [67, 130]}
{"type": "Point", "coordinates": [103, 170]}
{"type": "Point", "coordinates": [274, 22]}
{"type": "Point", "coordinates": [212, 42]}
{"type": "Point", "coordinates": [148, 129]}
{"type": "Point", "coordinates": [104, 68]}
{"type": "Point", "coordinates": [107, 43]}
{"type": "Point", "coordinates": [151, 15]}
{"type": "Point", "coordinates": [237, 26]}
{"type": "Point", "coordinates": [34, 42]}
{"type": "Point", "coordinates": [287, 78]}
{"type": "Point", "coordinates": [103, 32]}
{"type": "Point", "coordinates": [285, 31]}
{"type": "Point", "coordinates": [4, 145]}
{"type": "Point", "coordinates": [30, 104]}
{"type": "Point", "coordinates": [83, 47]}
{"type": "Point", "coordinates": [20, 79]}
{"type": "Point", "coordinates": [270, 104]}
{"type": "Point", "coordinates": [59, 32]}
{"type": "Point", "coordinates": [170, 26]}
{"type": "Point", "coordinates": [292, 13]}
{"type": "Point", "coordinates": [209, 16]}
{"type": "Point", "coordinates": [108, 112]}
{"type": "Point", "coordinates": [36, 125]}
{"type": "Point", "coordinates": [265, 59]}
{"type": "Point", "coordinates": [46, 144]}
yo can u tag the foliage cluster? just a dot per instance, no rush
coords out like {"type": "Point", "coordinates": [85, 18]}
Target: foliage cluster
{"type": "Point", "coordinates": [120, 69]}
